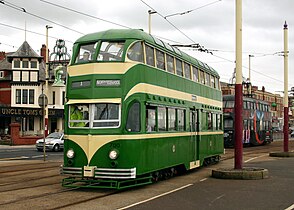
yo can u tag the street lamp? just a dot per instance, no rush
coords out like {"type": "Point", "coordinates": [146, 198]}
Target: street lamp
{"type": "Point", "coordinates": [45, 110]}
{"type": "Point", "coordinates": [46, 80]}
{"type": "Point", "coordinates": [150, 12]}
{"type": "Point", "coordinates": [286, 105]}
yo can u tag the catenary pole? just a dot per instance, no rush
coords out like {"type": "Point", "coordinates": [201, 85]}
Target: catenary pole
{"type": "Point", "coordinates": [238, 89]}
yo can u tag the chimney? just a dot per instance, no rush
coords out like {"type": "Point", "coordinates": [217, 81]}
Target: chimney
{"type": "Point", "coordinates": [2, 55]}
{"type": "Point", "coordinates": [43, 52]}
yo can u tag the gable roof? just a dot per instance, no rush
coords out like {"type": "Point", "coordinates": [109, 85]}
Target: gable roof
{"type": "Point", "coordinates": [24, 51]}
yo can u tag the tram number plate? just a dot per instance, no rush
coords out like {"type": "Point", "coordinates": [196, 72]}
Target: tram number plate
{"type": "Point", "coordinates": [89, 171]}
{"type": "Point", "coordinates": [115, 145]}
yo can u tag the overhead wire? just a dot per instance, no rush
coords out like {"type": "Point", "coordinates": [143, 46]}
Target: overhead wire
{"type": "Point", "coordinates": [22, 9]}
{"type": "Point", "coordinates": [191, 10]}
{"type": "Point", "coordinates": [85, 14]}
{"type": "Point", "coordinates": [33, 32]}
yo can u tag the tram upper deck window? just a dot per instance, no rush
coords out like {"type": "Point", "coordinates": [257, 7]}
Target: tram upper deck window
{"type": "Point", "coordinates": [179, 67]}
{"type": "Point", "coordinates": [201, 77]}
{"type": "Point", "coordinates": [111, 51]}
{"type": "Point", "coordinates": [207, 79]}
{"type": "Point", "coordinates": [135, 52]}
{"type": "Point", "coordinates": [86, 53]}
{"type": "Point", "coordinates": [217, 83]}
{"type": "Point", "coordinates": [195, 74]}
{"type": "Point", "coordinates": [160, 62]}
{"type": "Point", "coordinates": [170, 63]}
{"type": "Point", "coordinates": [187, 70]}
{"type": "Point", "coordinates": [150, 55]}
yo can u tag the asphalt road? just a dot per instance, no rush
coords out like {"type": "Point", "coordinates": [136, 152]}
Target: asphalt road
{"type": "Point", "coordinates": [274, 193]}
{"type": "Point", "coordinates": [26, 152]}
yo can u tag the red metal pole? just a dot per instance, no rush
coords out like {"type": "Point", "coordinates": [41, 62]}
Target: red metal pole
{"type": "Point", "coordinates": [238, 127]}
{"type": "Point", "coordinates": [238, 89]}
{"type": "Point", "coordinates": [286, 129]}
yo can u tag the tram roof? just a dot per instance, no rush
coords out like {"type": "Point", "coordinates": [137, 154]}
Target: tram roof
{"type": "Point", "coordinates": [118, 34]}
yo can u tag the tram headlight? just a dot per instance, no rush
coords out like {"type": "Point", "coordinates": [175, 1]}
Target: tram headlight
{"type": "Point", "coordinates": [70, 153]}
{"type": "Point", "coordinates": [113, 154]}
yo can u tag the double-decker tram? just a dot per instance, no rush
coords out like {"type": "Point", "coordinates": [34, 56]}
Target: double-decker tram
{"type": "Point", "coordinates": [257, 120]}
{"type": "Point", "coordinates": [137, 110]}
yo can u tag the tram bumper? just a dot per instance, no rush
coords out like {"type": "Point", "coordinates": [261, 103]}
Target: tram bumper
{"type": "Point", "coordinates": [93, 177]}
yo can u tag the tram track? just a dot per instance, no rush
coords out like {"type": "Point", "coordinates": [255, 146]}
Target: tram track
{"type": "Point", "coordinates": [44, 192]}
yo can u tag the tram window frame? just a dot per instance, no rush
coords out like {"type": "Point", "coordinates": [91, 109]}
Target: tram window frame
{"type": "Point", "coordinates": [110, 119]}
{"type": "Point", "coordinates": [80, 112]}
{"type": "Point", "coordinates": [162, 122]}
{"type": "Point", "coordinates": [217, 83]}
{"type": "Point", "coordinates": [209, 122]}
{"type": "Point", "coordinates": [187, 70]}
{"type": "Point", "coordinates": [136, 52]}
{"type": "Point", "coordinates": [150, 58]}
{"type": "Point", "coordinates": [111, 56]}
{"type": "Point", "coordinates": [151, 119]}
{"type": "Point", "coordinates": [170, 63]}
{"type": "Point", "coordinates": [160, 59]}
{"type": "Point", "coordinates": [179, 67]}
{"type": "Point", "coordinates": [212, 81]}
{"type": "Point", "coordinates": [193, 115]}
{"type": "Point", "coordinates": [171, 120]}
{"type": "Point", "coordinates": [219, 121]}
{"type": "Point", "coordinates": [180, 119]}
{"type": "Point", "coordinates": [90, 48]}
{"type": "Point", "coordinates": [214, 122]}
{"type": "Point", "coordinates": [201, 77]}
{"type": "Point", "coordinates": [133, 123]}
{"type": "Point", "coordinates": [207, 79]}
{"type": "Point", "coordinates": [195, 73]}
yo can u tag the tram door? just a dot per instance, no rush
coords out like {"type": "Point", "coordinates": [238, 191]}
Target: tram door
{"type": "Point", "coordinates": [194, 127]}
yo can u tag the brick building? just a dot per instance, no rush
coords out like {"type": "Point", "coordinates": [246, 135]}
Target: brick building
{"type": "Point", "coordinates": [22, 77]}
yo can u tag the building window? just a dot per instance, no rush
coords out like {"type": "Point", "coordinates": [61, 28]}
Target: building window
{"type": "Point", "coordinates": [16, 63]}
{"type": "Point", "coordinates": [31, 96]}
{"type": "Point", "coordinates": [33, 64]}
{"type": "Point", "coordinates": [18, 96]}
{"type": "Point", "coordinates": [1, 74]}
{"type": "Point", "coordinates": [25, 64]}
{"type": "Point", "coordinates": [24, 96]}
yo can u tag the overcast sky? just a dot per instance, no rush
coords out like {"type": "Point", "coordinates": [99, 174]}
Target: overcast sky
{"type": "Point", "coordinates": [212, 26]}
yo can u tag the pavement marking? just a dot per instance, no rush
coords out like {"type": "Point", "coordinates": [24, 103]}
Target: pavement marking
{"type": "Point", "coordinates": [290, 207]}
{"type": "Point", "coordinates": [202, 180]}
{"type": "Point", "coordinates": [144, 201]}
{"type": "Point", "coordinates": [14, 158]}
{"type": "Point", "coordinates": [255, 158]}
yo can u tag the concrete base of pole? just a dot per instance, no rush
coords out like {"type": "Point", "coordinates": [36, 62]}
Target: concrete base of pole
{"type": "Point", "coordinates": [281, 154]}
{"type": "Point", "coordinates": [246, 173]}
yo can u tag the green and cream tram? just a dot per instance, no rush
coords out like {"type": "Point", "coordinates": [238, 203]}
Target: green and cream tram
{"type": "Point", "coordinates": [137, 110]}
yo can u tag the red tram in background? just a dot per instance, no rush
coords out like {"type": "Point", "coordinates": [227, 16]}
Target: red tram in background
{"type": "Point", "coordinates": [257, 121]}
